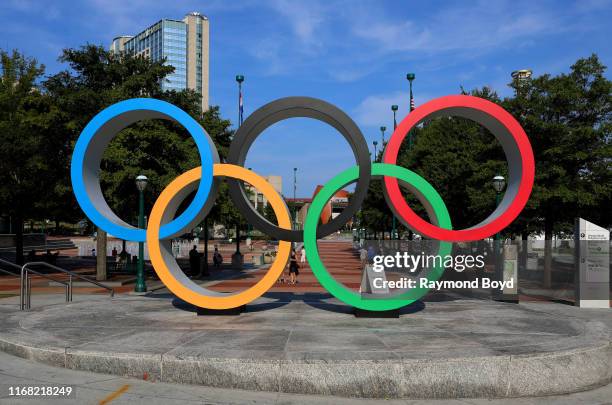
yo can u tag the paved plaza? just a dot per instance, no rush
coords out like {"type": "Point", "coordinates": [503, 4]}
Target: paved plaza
{"type": "Point", "coordinates": [311, 344]}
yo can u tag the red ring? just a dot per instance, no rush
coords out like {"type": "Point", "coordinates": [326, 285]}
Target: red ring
{"type": "Point", "coordinates": [527, 169]}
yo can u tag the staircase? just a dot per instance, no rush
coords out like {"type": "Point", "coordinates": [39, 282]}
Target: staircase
{"type": "Point", "coordinates": [52, 245]}
{"type": "Point", "coordinates": [339, 257]}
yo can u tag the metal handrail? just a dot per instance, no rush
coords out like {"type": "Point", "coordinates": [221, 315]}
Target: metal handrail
{"type": "Point", "coordinates": [11, 264]}
{"type": "Point", "coordinates": [8, 272]}
{"type": "Point", "coordinates": [26, 285]}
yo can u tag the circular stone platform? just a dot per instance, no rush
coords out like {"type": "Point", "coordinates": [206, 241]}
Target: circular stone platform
{"type": "Point", "coordinates": [312, 344]}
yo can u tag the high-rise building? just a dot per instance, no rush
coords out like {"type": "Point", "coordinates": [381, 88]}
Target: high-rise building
{"type": "Point", "coordinates": [185, 45]}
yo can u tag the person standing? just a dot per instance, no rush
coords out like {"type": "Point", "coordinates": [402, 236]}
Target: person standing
{"type": "Point", "coordinates": [303, 255]}
{"type": "Point", "coordinates": [194, 261]}
{"type": "Point", "coordinates": [293, 268]}
{"type": "Point", "coordinates": [217, 258]}
{"type": "Point", "coordinates": [363, 256]}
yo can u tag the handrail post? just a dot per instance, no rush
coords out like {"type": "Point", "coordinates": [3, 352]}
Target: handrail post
{"type": "Point", "coordinates": [25, 283]}
{"type": "Point", "coordinates": [29, 291]}
{"type": "Point", "coordinates": [21, 290]}
{"type": "Point", "coordinates": [70, 288]}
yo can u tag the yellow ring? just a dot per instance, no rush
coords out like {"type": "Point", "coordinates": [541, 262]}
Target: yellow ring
{"type": "Point", "coordinates": [186, 289]}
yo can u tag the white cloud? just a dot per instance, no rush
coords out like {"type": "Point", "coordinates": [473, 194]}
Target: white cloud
{"type": "Point", "coordinates": [464, 27]}
{"type": "Point", "coordinates": [375, 110]}
{"type": "Point", "coordinates": [304, 19]}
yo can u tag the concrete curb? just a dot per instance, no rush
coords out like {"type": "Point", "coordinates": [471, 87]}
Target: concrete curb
{"type": "Point", "coordinates": [554, 373]}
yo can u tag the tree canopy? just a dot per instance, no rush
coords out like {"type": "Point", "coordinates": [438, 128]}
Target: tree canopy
{"type": "Point", "coordinates": [568, 121]}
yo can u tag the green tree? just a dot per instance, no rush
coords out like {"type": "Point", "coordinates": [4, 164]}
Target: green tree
{"type": "Point", "coordinates": [31, 143]}
{"type": "Point", "coordinates": [159, 149]}
{"type": "Point", "coordinates": [568, 120]}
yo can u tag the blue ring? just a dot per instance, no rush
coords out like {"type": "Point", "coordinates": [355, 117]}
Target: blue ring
{"type": "Point", "coordinates": [91, 130]}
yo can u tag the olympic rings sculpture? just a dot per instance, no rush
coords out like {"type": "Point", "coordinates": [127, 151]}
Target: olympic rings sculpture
{"type": "Point", "coordinates": [163, 226]}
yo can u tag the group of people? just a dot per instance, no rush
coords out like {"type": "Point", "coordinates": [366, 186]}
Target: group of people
{"type": "Point", "coordinates": [195, 257]}
{"type": "Point", "coordinates": [294, 268]}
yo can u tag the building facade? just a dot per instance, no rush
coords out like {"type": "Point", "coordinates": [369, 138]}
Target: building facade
{"type": "Point", "coordinates": [185, 45]}
{"type": "Point", "coordinates": [257, 198]}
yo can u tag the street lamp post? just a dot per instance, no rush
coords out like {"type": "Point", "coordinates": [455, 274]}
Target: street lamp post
{"type": "Point", "coordinates": [237, 256]}
{"type": "Point", "coordinates": [375, 150]}
{"type": "Point", "coordinates": [294, 192]}
{"type": "Point", "coordinates": [141, 184]}
{"type": "Point", "coordinates": [410, 77]}
{"type": "Point", "coordinates": [394, 108]}
{"type": "Point", "coordinates": [240, 79]}
{"type": "Point", "coordinates": [382, 131]}
{"type": "Point", "coordinates": [499, 182]}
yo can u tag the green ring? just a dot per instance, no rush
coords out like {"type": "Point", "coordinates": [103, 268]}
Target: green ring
{"type": "Point", "coordinates": [337, 289]}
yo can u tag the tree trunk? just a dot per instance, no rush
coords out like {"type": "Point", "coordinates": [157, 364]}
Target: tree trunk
{"type": "Point", "coordinates": [204, 267]}
{"type": "Point", "coordinates": [548, 235]}
{"type": "Point", "coordinates": [18, 227]}
{"type": "Point", "coordinates": [524, 250]}
{"type": "Point", "coordinates": [237, 238]}
{"type": "Point", "coordinates": [101, 274]}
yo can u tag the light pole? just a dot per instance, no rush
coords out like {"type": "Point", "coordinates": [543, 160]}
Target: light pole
{"type": "Point", "coordinates": [237, 256]}
{"type": "Point", "coordinates": [141, 184]}
{"type": "Point", "coordinates": [499, 182]}
{"type": "Point", "coordinates": [240, 79]}
{"type": "Point", "coordinates": [394, 109]}
{"type": "Point", "coordinates": [375, 150]}
{"type": "Point", "coordinates": [294, 192]}
{"type": "Point", "coordinates": [410, 77]}
{"type": "Point", "coordinates": [382, 131]}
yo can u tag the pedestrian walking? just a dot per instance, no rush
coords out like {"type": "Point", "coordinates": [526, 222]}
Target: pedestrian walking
{"type": "Point", "coordinates": [303, 255]}
{"type": "Point", "coordinates": [293, 268]}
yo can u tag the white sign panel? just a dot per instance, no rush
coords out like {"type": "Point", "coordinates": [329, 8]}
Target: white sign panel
{"type": "Point", "coordinates": [593, 277]}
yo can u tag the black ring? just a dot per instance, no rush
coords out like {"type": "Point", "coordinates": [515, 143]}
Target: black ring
{"type": "Point", "coordinates": [292, 107]}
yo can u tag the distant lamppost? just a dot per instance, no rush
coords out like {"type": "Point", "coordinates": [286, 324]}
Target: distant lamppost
{"type": "Point", "coordinates": [141, 184]}
{"type": "Point", "coordinates": [237, 254]}
{"type": "Point", "coordinates": [394, 109]}
{"type": "Point", "coordinates": [240, 79]}
{"type": "Point", "coordinates": [499, 182]}
{"type": "Point", "coordinates": [382, 131]}
{"type": "Point", "coordinates": [294, 192]}
{"type": "Point", "coordinates": [410, 77]}
{"type": "Point", "coordinates": [375, 150]}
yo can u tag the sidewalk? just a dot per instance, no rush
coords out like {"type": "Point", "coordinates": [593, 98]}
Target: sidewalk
{"type": "Point", "coordinates": [310, 343]}
{"type": "Point", "coordinates": [94, 388]}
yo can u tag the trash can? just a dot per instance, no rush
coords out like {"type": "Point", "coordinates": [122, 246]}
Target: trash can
{"type": "Point", "coordinates": [258, 260]}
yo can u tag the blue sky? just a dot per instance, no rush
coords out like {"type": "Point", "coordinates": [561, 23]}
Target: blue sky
{"type": "Point", "coordinates": [354, 54]}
